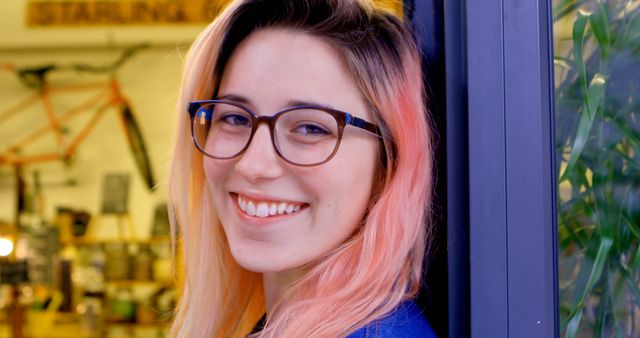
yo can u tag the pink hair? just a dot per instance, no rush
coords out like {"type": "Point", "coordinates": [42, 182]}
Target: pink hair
{"type": "Point", "coordinates": [376, 268]}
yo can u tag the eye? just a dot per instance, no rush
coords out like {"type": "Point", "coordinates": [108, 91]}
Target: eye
{"type": "Point", "coordinates": [310, 129]}
{"type": "Point", "coordinates": [235, 119]}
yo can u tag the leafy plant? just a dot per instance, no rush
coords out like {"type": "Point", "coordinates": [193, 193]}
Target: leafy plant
{"type": "Point", "coordinates": [598, 145]}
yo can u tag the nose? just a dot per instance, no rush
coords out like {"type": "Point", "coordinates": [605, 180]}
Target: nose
{"type": "Point", "coordinates": [260, 161]}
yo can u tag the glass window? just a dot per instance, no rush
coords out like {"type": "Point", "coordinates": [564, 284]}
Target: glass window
{"type": "Point", "coordinates": [597, 92]}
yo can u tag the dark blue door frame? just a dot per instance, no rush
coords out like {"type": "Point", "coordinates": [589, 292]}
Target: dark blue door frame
{"type": "Point", "coordinates": [499, 169]}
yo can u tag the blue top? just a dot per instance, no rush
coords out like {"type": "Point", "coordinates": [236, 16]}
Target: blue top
{"type": "Point", "coordinates": [405, 321]}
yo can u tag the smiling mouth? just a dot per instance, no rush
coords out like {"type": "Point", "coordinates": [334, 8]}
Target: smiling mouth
{"type": "Point", "coordinates": [264, 208]}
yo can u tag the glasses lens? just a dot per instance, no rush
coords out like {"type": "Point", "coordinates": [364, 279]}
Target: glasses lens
{"type": "Point", "coordinates": [221, 130]}
{"type": "Point", "coordinates": [306, 136]}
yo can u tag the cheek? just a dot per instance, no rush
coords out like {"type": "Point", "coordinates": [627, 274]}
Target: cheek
{"type": "Point", "coordinates": [216, 175]}
{"type": "Point", "coordinates": [343, 189]}
{"type": "Point", "coordinates": [214, 172]}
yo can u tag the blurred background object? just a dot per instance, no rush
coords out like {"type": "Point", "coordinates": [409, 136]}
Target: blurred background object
{"type": "Point", "coordinates": [88, 94]}
{"type": "Point", "coordinates": [7, 240]}
{"type": "Point", "coordinates": [597, 88]}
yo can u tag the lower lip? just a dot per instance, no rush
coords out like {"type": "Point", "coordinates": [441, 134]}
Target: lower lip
{"type": "Point", "coordinates": [262, 220]}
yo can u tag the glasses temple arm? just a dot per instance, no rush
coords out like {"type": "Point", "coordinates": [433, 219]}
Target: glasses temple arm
{"type": "Point", "coordinates": [362, 124]}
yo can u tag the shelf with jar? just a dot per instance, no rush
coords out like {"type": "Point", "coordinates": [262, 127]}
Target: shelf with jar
{"type": "Point", "coordinates": [117, 287]}
{"type": "Point", "coordinates": [122, 284]}
{"type": "Point", "coordinates": [80, 241]}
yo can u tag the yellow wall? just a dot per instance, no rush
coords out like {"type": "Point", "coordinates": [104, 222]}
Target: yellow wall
{"type": "Point", "coordinates": [150, 80]}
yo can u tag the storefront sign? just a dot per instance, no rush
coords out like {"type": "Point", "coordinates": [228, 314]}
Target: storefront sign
{"type": "Point", "coordinates": [57, 13]}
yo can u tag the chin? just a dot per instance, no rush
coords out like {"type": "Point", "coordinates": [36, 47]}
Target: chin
{"type": "Point", "coordinates": [261, 266]}
{"type": "Point", "coordinates": [261, 260]}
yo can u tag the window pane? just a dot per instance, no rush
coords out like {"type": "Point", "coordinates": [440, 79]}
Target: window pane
{"type": "Point", "coordinates": [597, 90]}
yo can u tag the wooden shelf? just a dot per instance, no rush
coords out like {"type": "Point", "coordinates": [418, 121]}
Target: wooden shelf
{"type": "Point", "coordinates": [133, 283]}
{"type": "Point", "coordinates": [156, 325]}
{"type": "Point", "coordinates": [80, 241]}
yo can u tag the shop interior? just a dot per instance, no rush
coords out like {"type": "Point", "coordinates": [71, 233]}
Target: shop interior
{"type": "Point", "coordinates": [87, 107]}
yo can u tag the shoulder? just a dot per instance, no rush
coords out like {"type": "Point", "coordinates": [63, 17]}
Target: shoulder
{"type": "Point", "coordinates": [405, 321]}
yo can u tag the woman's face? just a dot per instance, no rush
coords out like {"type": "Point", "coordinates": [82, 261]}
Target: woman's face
{"type": "Point", "coordinates": [267, 71]}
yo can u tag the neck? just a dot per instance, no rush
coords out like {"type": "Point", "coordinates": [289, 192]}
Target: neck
{"type": "Point", "coordinates": [276, 283]}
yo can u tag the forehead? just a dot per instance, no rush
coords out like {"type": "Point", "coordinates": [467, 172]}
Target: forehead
{"type": "Point", "coordinates": [274, 66]}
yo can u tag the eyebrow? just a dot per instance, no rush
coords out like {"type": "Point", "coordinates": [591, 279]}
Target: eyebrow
{"type": "Point", "coordinates": [290, 103]}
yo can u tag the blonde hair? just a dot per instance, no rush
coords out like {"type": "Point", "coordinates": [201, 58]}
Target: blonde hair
{"type": "Point", "coordinates": [381, 264]}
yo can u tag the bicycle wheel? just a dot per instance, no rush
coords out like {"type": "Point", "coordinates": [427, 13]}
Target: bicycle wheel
{"type": "Point", "coordinates": [136, 144]}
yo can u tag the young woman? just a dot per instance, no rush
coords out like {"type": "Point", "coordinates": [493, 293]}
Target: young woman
{"type": "Point", "coordinates": [301, 174]}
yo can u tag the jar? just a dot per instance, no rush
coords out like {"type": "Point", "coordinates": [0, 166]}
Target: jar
{"type": "Point", "coordinates": [117, 267]}
{"type": "Point", "coordinates": [143, 261]}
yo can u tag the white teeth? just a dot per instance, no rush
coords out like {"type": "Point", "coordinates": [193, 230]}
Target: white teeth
{"type": "Point", "coordinates": [242, 203]}
{"type": "Point", "coordinates": [281, 208]}
{"type": "Point", "coordinates": [265, 209]}
{"type": "Point", "coordinates": [289, 209]}
{"type": "Point", "coordinates": [262, 210]}
{"type": "Point", "coordinates": [273, 210]}
{"type": "Point", "coordinates": [251, 209]}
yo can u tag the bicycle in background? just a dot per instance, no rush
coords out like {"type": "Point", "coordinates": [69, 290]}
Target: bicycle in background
{"type": "Point", "coordinates": [108, 98]}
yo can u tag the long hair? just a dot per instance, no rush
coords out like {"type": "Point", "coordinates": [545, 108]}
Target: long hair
{"type": "Point", "coordinates": [377, 267]}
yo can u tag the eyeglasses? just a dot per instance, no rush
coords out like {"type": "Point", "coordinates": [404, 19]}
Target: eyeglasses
{"type": "Point", "coordinates": [302, 135]}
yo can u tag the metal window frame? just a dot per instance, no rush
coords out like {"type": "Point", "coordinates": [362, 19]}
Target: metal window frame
{"type": "Point", "coordinates": [500, 208]}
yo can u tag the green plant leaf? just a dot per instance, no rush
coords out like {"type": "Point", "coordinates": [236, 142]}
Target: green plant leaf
{"type": "Point", "coordinates": [634, 263]}
{"type": "Point", "coordinates": [598, 265]}
{"type": "Point", "coordinates": [593, 96]}
{"type": "Point", "coordinates": [634, 228]}
{"type": "Point", "coordinates": [579, 28]}
{"type": "Point", "coordinates": [586, 118]}
{"type": "Point", "coordinates": [631, 31]}
{"type": "Point", "coordinates": [565, 7]}
{"type": "Point", "coordinates": [573, 325]}
{"type": "Point", "coordinates": [634, 289]}
{"type": "Point", "coordinates": [628, 278]}
{"type": "Point", "coordinates": [629, 160]}
{"type": "Point", "coordinates": [572, 237]}
{"type": "Point", "coordinates": [599, 22]}
{"type": "Point", "coordinates": [593, 276]}
{"type": "Point", "coordinates": [632, 136]}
